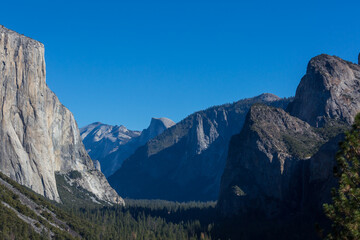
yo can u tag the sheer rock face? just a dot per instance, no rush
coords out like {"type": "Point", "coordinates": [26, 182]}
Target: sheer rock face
{"type": "Point", "coordinates": [329, 90]}
{"type": "Point", "coordinates": [38, 135]}
{"type": "Point", "coordinates": [186, 161]}
{"type": "Point", "coordinates": [282, 163]}
{"type": "Point", "coordinates": [263, 172]}
{"type": "Point", "coordinates": [111, 145]}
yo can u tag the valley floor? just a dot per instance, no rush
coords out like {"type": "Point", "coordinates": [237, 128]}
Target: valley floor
{"type": "Point", "coordinates": [27, 215]}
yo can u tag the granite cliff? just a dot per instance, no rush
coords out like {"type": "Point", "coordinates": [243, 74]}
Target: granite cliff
{"type": "Point", "coordinates": [39, 137]}
{"type": "Point", "coordinates": [329, 91]}
{"type": "Point", "coordinates": [270, 163]}
{"type": "Point", "coordinates": [279, 168]}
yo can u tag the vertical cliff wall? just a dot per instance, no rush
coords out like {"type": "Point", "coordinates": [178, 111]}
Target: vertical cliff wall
{"type": "Point", "coordinates": [38, 135]}
{"type": "Point", "coordinates": [329, 91]}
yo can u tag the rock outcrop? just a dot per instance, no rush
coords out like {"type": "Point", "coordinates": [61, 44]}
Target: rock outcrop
{"type": "Point", "coordinates": [156, 127]}
{"type": "Point", "coordinates": [280, 167]}
{"type": "Point", "coordinates": [111, 145]}
{"type": "Point", "coordinates": [186, 161]}
{"type": "Point", "coordinates": [38, 135]}
{"type": "Point", "coordinates": [328, 91]}
{"type": "Point", "coordinates": [267, 169]}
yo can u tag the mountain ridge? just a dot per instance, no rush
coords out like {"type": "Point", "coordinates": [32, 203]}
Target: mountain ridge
{"type": "Point", "coordinates": [110, 145]}
{"type": "Point", "coordinates": [280, 167]}
{"type": "Point", "coordinates": [180, 155]}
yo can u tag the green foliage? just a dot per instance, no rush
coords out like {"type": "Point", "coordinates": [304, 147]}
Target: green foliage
{"type": "Point", "coordinates": [331, 129]}
{"type": "Point", "coordinates": [304, 146]}
{"type": "Point", "coordinates": [74, 174]}
{"type": "Point", "coordinates": [14, 201]}
{"type": "Point", "coordinates": [238, 191]}
{"type": "Point", "coordinates": [143, 220]}
{"type": "Point", "coordinates": [344, 212]}
{"type": "Point", "coordinates": [11, 227]}
{"type": "Point", "coordinates": [140, 219]}
{"type": "Point", "coordinates": [74, 195]}
{"type": "Point", "coordinates": [301, 146]}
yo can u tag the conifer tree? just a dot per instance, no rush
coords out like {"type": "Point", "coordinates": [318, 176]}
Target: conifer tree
{"type": "Point", "coordinates": [344, 211]}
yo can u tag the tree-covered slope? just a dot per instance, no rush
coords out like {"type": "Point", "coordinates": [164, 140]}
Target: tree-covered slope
{"type": "Point", "coordinates": [27, 215]}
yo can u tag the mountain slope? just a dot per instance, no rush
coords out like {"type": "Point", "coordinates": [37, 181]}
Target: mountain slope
{"type": "Point", "coordinates": [100, 140]}
{"type": "Point", "coordinates": [38, 135]}
{"type": "Point", "coordinates": [280, 167]}
{"type": "Point", "coordinates": [186, 161]}
{"type": "Point", "coordinates": [268, 163]}
{"type": "Point", "coordinates": [111, 145]}
{"type": "Point", "coordinates": [26, 210]}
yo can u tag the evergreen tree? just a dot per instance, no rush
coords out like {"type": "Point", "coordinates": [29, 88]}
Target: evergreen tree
{"type": "Point", "coordinates": [344, 212]}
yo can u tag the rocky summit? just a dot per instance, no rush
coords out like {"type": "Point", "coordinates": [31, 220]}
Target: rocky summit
{"type": "Point", "coordinates": [329, 91]}
{"type": "Point", "coordinates": [111, 145]}
{"type": "Point", "coordinates": [186, 161]}
{"type": "Point", "coordinates": [100, 140]}
{"type": "Point", "coordinates": [279, 169]}
{"type": "Point", "coordinates": [39, 137]}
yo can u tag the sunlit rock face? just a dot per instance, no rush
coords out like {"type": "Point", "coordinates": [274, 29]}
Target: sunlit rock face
{"type": "Point", "coordinates": [279, 169]}
{"type": "Point", "coordinates": [329, 91]}
{"type": "Point", "coordinates": [38, 135]}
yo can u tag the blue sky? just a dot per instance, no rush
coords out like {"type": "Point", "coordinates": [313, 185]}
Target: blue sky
{"type": "Point", "coordinates": [123, 62]}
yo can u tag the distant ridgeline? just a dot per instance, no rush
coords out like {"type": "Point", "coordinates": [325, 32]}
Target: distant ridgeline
{"type": "Point", "coordinates": [186, 161]}
{"type": "Point", "coordinates": [278, 166]}
{"type": "Point", "coordinates": [111, 145]}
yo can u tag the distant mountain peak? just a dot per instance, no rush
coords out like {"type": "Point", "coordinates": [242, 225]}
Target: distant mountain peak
{"type": "Point", "coordinates": [185, 161]}
{"type": "Point", "coordinates": [267, 97]}
{"type": "Point", "coordinates": [164, 121]}
{"type": "Point", "coordinates": [111, 145]}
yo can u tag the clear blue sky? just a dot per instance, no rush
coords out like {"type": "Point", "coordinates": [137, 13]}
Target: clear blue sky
{"type": "Point", "coordinates": [123, 62]}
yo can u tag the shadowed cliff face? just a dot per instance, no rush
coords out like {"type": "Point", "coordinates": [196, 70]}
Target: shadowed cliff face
{"type": "Point", "coordinates": [279, 169]}
{"type": "Point", "coordinates": [38, 135]}
{"type": "Point", "coordinates": [186, 161]}
{"type": "Point", "coordinates": [268, 164]}
{"type": "Point", "coordinates": [328, 91]}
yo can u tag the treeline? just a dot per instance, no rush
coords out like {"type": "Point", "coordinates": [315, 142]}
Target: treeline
{"type": "Point", "coordinates": [149, 219]}
{"type": "Point", "coordinates": [140, 219]}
